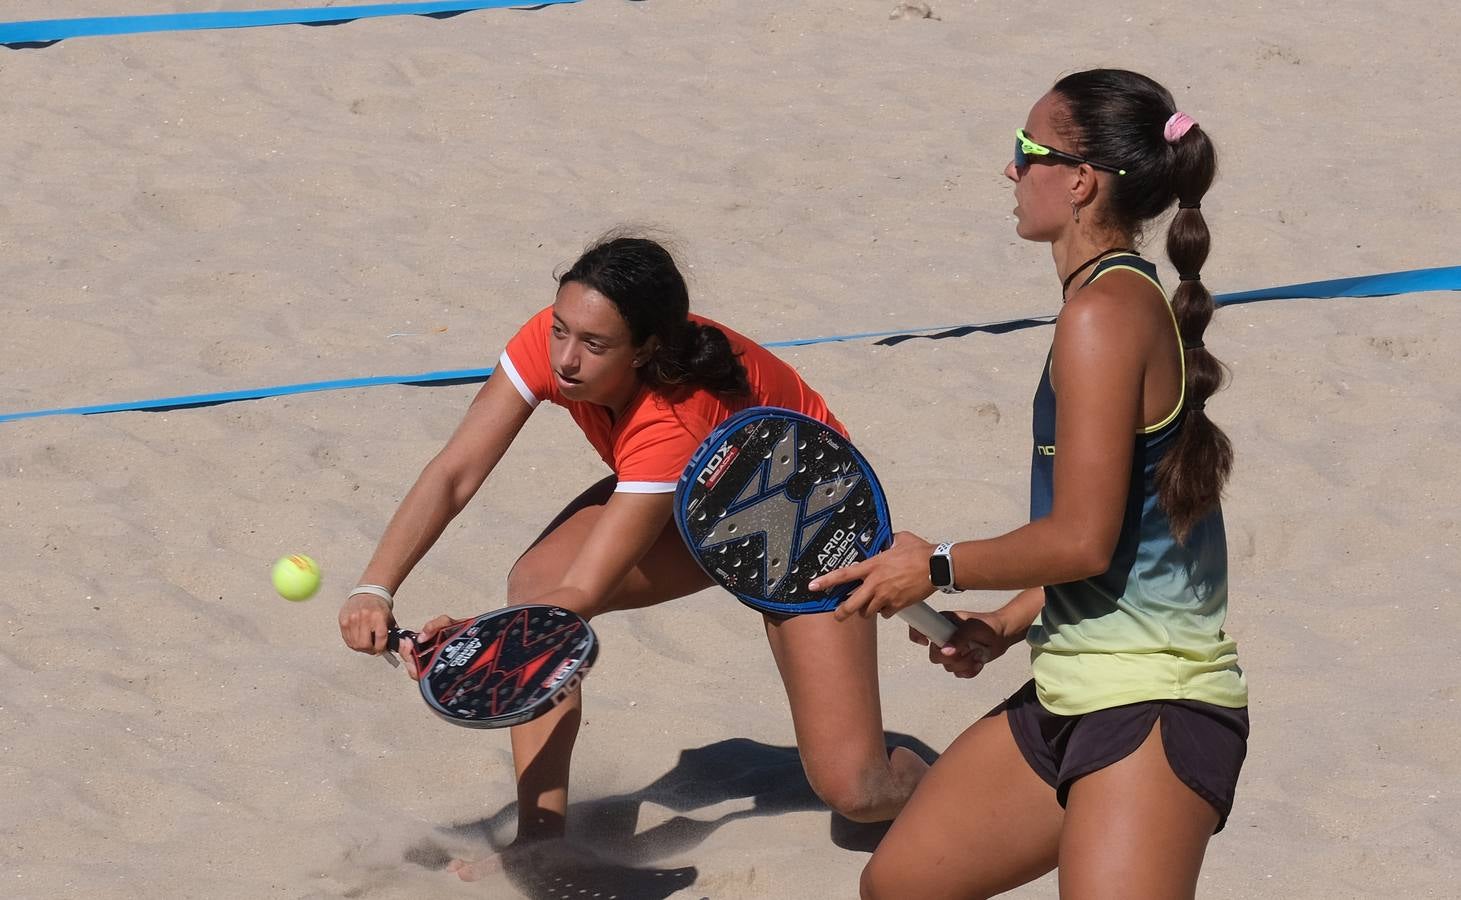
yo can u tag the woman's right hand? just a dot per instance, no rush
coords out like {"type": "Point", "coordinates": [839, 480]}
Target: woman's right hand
{"type": "Point", "coordinates": [365, 623]}
{"type": "Point", "coordinates": [978, 641]}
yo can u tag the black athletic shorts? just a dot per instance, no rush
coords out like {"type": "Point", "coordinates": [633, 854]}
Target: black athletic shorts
{"type": "Point", "coordinates": [1205, 744]}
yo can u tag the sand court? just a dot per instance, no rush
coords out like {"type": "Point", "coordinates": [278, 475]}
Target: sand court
{"type": "Point", "coordinates": [208, 211]}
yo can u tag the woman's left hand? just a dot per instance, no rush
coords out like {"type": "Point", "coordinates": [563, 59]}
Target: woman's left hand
{"type": "Point", "coordinates": [424, 638]}
{"type": "Point", "coordinates": [895, 579]}
{"type": "Point", "coordinates": [979, 641]}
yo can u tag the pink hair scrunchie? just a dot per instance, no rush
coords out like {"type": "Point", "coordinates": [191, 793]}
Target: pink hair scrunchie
{"type": "Point", "coordinates": [1178, 125]}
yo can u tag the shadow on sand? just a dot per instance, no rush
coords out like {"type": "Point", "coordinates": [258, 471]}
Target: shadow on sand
{"type": "Point", "coordinates": [619, 865]}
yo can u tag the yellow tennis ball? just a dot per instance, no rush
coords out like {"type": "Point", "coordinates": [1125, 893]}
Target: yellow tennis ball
{"type": "Point", "coordinates": [296, 577]}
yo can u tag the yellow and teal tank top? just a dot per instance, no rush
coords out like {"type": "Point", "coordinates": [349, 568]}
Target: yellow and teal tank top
{"type": "Point", "coordinates": [1151, 626]}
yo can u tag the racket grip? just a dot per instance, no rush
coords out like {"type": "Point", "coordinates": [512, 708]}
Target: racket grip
{"type": "Point", "coordinates": [393, 645]}
{"type": "Point", "coordinates": [928, 623]}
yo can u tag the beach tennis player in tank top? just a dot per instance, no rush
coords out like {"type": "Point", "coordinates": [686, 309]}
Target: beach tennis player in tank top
{"type": "Point", "coordinates": [646, 382]}
{"type": "Point", "coordinates": [1118, 761]}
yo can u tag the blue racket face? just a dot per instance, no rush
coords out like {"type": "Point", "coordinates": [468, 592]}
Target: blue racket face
{"type": "Point", "coordinates": [773, 499]}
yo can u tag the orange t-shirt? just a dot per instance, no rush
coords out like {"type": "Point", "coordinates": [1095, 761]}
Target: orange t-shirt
{"type": "Point", "coordinates": [649, 446]}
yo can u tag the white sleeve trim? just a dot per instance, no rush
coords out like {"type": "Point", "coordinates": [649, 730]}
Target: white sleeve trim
{"type": "Point", "coordinates": [517, 381]}
{"type": "Point", "coordinates": [645, 487]}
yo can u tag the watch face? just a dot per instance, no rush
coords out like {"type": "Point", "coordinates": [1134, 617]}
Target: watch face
{"type": "Point", "coordinates": [940, 572]}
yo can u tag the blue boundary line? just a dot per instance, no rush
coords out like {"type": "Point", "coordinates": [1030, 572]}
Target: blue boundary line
{"type": "Point", "coordinates": [1383, 285]}
{"type": "Point", "coordinates": [45, 32]}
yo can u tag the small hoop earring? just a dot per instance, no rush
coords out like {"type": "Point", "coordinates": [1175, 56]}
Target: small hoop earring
{"type": "Point", "coordinates": [1075, 211]}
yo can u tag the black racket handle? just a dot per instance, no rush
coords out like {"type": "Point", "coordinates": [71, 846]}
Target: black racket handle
{"type": "Point", "coordinates": [394, 636]}
{"type": "Point", "coordinates": [393, 644]}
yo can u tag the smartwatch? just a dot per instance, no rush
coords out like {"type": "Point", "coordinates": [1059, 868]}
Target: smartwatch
{"type": "Point", "coordinates": [941, 569]}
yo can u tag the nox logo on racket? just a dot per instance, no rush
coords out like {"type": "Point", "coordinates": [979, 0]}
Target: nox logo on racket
{"type": "Point", "coordinates": [717, 465]}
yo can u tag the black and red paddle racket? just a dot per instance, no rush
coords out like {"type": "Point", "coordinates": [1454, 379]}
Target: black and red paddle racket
{"type": "Point", "coordinates": [502, 668]}
{"type": "Point", "coordinates": [773, 499]}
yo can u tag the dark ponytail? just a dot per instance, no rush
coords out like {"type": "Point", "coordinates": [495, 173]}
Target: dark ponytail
{"type": "Point", "coordinates": [1120, 115]}
{"type": "Point", "coordinates": [641, 279]}
{"type": "Point", "coordinates": [1191, 476]}
{"type": "Point", "coordinates": [700, 355]}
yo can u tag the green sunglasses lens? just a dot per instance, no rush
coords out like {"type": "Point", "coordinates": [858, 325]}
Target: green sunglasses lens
{"type": "Point", "coordinates": [1024, 148]}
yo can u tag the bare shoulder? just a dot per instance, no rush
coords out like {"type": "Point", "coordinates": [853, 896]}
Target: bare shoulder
{"type": "Point", "coordinates": [1105, 331]}
{"type": "Point", "coordinates": [1120, 303]}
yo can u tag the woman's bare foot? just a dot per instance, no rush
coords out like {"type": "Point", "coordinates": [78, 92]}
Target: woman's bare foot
{"type": "Point", "coordinates": [471, 870]}
{"type": "Point", "coordinates": [542, 853]}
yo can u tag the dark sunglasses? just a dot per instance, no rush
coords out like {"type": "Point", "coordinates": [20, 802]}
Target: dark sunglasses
{"type": "Point", "coordinates": [1026, 148]}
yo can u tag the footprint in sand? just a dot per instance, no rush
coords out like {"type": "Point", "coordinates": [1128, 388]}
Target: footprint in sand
{"type": "Point", "coordinates": [1393, 348]}
{"type": "Point", "coordinates": [913, 11]}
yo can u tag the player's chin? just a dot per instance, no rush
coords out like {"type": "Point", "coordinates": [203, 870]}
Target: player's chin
{"type": "Point", "coordinates": [1024, 228]}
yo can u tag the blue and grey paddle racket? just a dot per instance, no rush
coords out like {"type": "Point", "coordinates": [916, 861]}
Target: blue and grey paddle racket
{"type": "Point", "coordinates": [772, 499]}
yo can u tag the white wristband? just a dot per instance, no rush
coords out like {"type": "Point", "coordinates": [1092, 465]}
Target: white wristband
{"type": "Point", "coordinates": [378, 591]}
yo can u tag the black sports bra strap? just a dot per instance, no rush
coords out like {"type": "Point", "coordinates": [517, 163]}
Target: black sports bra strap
{"type": "Point", "coordinates": [1115, 259]}
{"type": "Point", "coordinates": [1097, 260]}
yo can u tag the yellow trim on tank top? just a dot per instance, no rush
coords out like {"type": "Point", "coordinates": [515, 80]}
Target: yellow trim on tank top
{"type": "Point", "coordinates": [1181, 352]}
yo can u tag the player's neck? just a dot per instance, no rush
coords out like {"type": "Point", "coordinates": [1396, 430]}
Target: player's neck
{"type": "Point", "coordinates": [619, 403]}
{"type": "Point", "coordinates": [1076, 255]}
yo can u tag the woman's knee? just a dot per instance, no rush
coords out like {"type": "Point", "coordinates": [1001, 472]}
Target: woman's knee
{"type": "Point", "coordinates": [874, 883]}
{"type": "Point", "coordinates": [859, 793]}
{"type": "Point", "coordinates": [540, 568]}
{"type": "Point", "coordinates": [530, 577]}
{"type": "Point", "coordinates": [528, 582]}
{"type": "Point", "coordinates": [885, 878]}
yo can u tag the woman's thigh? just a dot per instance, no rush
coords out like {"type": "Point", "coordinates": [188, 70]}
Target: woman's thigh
{"type": "Point", "coordinates": [981, 822]}
{"type": "Point", "coordinates": [830, 672]}
{"type": "Point", "coordinates": [665, 572]}
{"type": "Point", "coordinates": [1134, 830]}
